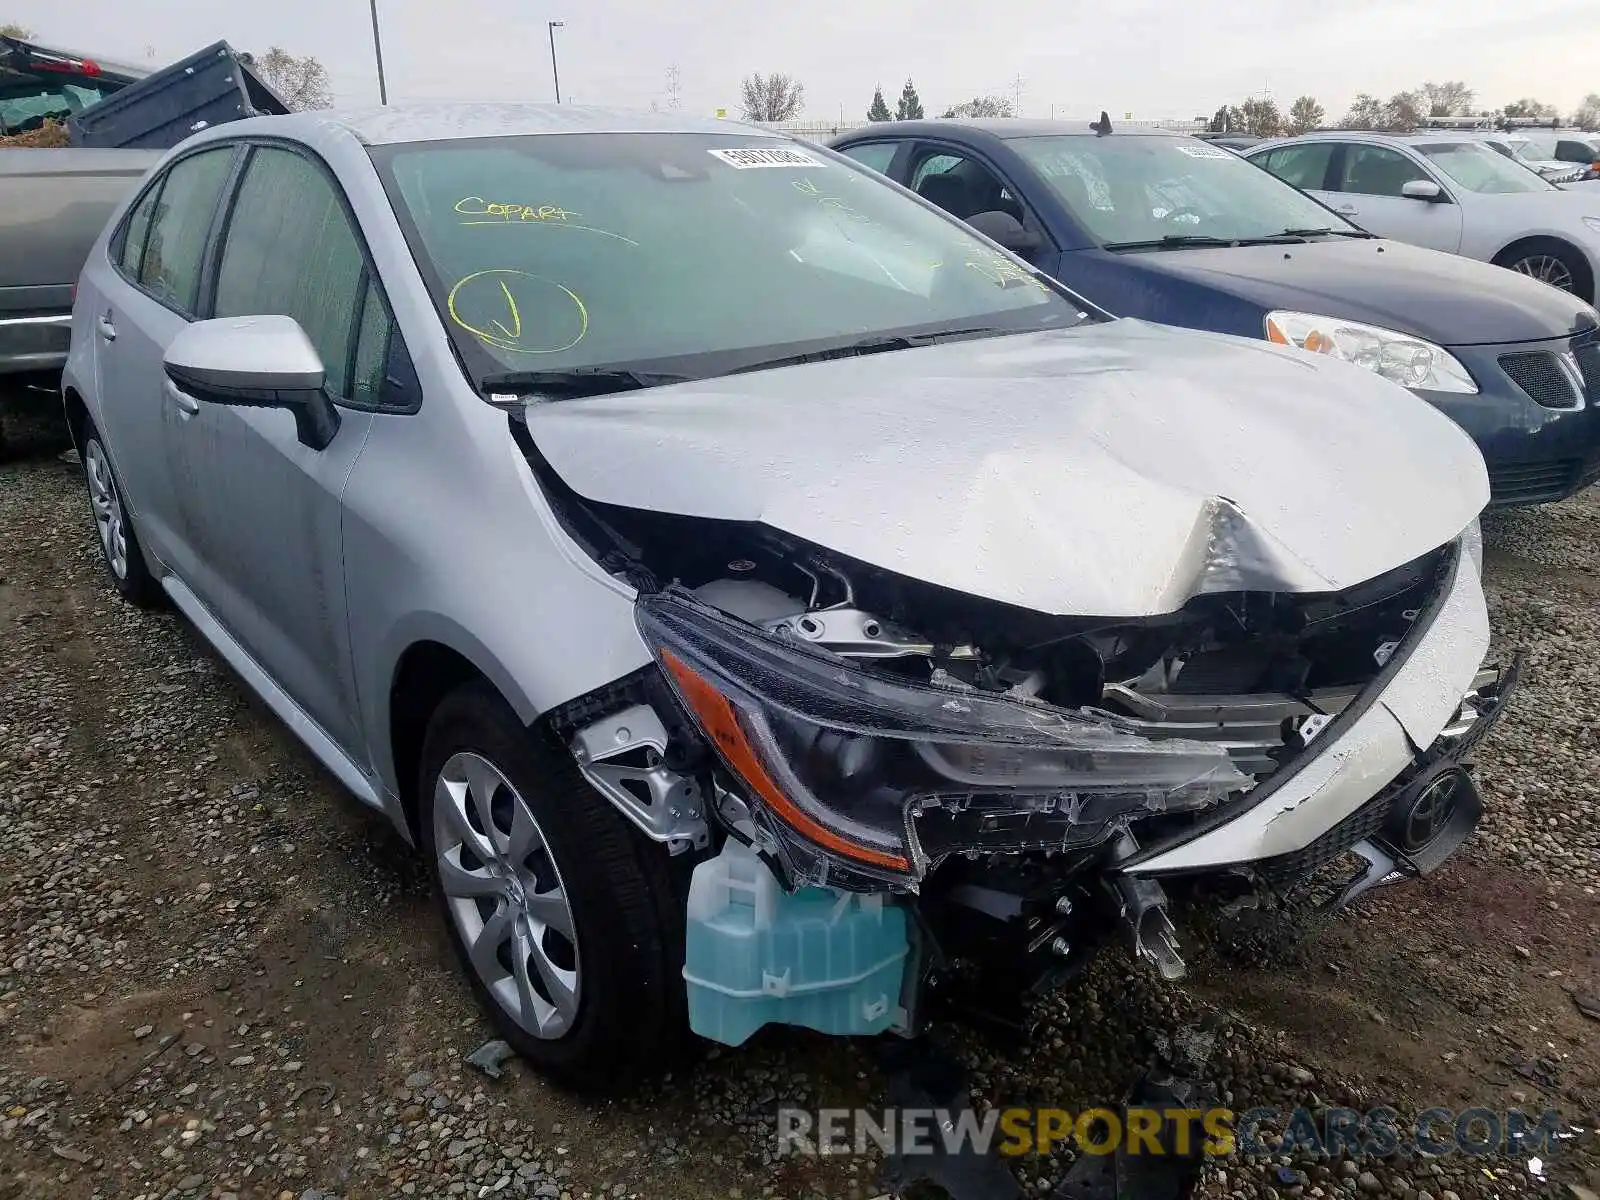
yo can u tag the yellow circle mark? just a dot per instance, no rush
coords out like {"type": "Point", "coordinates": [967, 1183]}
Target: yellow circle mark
{"type": "Point", "coordinates": [505, 331]}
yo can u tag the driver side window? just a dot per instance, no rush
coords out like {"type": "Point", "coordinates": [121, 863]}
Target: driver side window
{"type": "Point", "coordinates": [963, 186]}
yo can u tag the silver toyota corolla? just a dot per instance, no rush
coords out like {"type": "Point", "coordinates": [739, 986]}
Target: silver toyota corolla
{"type": "Point", "coordinates": [757, 594]}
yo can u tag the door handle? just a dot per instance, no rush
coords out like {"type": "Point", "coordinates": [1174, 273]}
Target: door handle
{"type": "Point", "coordinates": [107, 330]}
{"type": "Point", "coordinates": [186, 403]}
{"type": "Point", "coordinates": [1346, 210]}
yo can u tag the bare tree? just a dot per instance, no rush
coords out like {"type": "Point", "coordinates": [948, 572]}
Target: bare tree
{"type": "Point", "coordinates": [1587, 115]}
{"type": "Point", "coordinates": [1228, 119]}
{"type": "Point", "coordinates": [1529, 107]}
{"type": "Point", "coordinates": [12, 29]}
{"type": "Point", "coordinates": [1261, 117]}
{"type": "Point", "coordinates": [1305, 114]}
{"type": "Point", "coordinates": [1402, 111]}
{"type": "Point", "coordinates": [302, 81]}
{"type": "Point", "coordinates": [775, 97]}
{"type": "Point", "coordinates": [983, 106]}
{"type": "Point", "coordinates": [1449, 99]}
{"type": "Point", "coordinates": [1365, 113]}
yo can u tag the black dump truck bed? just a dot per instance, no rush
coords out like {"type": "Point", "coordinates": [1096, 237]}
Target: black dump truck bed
{"type": "Point", "coordinates": [211, 87]}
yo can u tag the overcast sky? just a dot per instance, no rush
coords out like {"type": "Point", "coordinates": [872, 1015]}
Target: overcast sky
{"type": "Point", "coordinates": [1155, 58]}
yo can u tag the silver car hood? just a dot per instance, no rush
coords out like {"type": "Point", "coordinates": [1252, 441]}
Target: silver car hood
{"type": "Point", "coordinates": [1116, 470]}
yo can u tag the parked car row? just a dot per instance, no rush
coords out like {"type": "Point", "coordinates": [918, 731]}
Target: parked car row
{"type": "Point", "coordinates": [765, 599]}
{"type": "Point", "coordinates": [1173, 229]}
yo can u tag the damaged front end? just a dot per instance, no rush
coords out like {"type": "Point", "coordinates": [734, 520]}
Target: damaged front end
{"type": "Point", "coordinates": [911, 787]}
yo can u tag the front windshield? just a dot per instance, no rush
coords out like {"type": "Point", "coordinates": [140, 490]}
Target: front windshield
{"type": "Point", "coordinates": [688, 254]}
{"type": "Point", "coordinates": [1479, 169]}
{"type": "Point", "coordinates": [1139, 189]}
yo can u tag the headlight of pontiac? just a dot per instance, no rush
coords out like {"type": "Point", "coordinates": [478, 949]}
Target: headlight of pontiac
{"type": "Point", "coordinates": [1409, 361]}
{"type": "Point", "coordinates": [835, 759]}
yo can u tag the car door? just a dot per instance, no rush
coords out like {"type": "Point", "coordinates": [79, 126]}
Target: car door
{"type": "Point", "coordinates": [1368, 189]}
{"type": "Point", "coordinates": [269, 538]}
{"type": "Point", "coordinates": [148, 295]}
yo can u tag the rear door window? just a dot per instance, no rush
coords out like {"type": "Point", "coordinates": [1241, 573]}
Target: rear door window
{"type": "Point", "coordinates": [137, 230]}
{"type": "Point", "coordinates": [169, 266]}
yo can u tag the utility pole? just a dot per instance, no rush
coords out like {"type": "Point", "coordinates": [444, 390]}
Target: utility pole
{"type": "Point", "coordinates": [1016, 93]}
{"type": "Point", "coordinates": [555, 75]}
{"type": "Point", "coordinates": [377, 53]}
{"type": "Point", "coordinates": [674, 88]}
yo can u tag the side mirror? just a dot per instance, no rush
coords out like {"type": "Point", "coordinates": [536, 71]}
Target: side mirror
{"type": "Point", "coordinates": [255, 362]}
{"type": "Point", "coordinates": [1002, 227]}
{"type": "Point", "coordinates": [1422, 189]}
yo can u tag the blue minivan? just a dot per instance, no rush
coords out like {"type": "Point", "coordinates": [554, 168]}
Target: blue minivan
{"type": "Point", "coordinates": [1170, 228]}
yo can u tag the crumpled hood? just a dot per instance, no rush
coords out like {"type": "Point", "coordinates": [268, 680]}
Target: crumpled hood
{"type": "Point", "coordinates": [1115, 470]}
{"type": "Point", "coordinates": [1443, 298]}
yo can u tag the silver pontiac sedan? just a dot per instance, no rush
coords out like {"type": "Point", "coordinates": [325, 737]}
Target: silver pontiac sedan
{"type": "Point", "coordinates": [755, 593]}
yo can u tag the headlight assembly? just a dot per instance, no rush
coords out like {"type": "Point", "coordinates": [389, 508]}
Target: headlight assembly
{"type": "Point", "coordinates": [836, 759]}
{"type": "Point", "coordinates": [1409, 361]}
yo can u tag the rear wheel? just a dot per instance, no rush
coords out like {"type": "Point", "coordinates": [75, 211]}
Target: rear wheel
{"type": "Point", "coordinates": [1553, 262]}
{"type": "Point", "coordinates": [563, 916]}
{"type": "Point", "coordinates": [119, 544]}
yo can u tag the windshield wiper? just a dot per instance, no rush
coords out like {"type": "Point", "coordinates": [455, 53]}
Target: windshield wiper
{"type": "Point", "coordinates": [1320, 230]}
{"type": "Point", "coordinates": [871, 345]}
{"type": "Point", "coordinates": [1173, 241]}
{"type": "Point", "coordinates": [574, 382]}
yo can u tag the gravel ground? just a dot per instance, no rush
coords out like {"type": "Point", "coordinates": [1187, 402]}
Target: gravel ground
{"type": "Point", "coordinates": [219, 977]}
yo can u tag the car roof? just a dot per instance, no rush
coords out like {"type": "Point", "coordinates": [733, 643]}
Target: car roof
{"type": "Point", "coordinates": [1004, 128]}
{"type": "Point", "coordinates": [396, 123]}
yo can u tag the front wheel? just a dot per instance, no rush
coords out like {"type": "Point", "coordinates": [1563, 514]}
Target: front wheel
{"type": "Point", "coordinates": [565, 919]}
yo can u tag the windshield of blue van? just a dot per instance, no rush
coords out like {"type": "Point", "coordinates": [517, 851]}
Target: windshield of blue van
{"type": "Point", "coordinates": [1479, 169]}
{"type": "Point", "coordinates": [1141, 192]}
{"type": "Point", "coordinates": [689, 255]}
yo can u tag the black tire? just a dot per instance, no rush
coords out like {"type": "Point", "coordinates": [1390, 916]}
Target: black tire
{"type": "Point", "coordinates": [632, 1017]}
{"type": "Point", "coordinates": [133, 581]}
{"type": "Point", "coordinates": [1532, 256]}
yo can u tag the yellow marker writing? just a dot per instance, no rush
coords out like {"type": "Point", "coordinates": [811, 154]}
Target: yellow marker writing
{"type": "Point", "coordinates": [477, 206]}
{"type": "Point", "coordinates": [490, 298]}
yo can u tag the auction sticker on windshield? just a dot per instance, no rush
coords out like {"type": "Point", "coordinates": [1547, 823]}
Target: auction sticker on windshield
{"type": "Point", "coordinates": [1203, 151]}
{"type": "Point", "coordinates": [748, 157]}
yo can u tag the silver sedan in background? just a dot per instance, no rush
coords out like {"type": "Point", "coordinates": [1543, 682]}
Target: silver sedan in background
{"type": "Point", "coordinates": [1452, 192]}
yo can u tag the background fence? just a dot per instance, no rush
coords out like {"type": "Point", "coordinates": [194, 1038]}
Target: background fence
{"type": "Point", "coordinates": [821, 131]}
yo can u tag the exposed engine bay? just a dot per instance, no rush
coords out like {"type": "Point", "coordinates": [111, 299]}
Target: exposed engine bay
{"type": "Point", "coordinates": [872, 733]}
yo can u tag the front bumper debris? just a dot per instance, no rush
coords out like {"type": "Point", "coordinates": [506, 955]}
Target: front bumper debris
{"type": "Point", "coordinates": [1417, 822]}
{"type": "Point", "coordinates": [1416, 704]}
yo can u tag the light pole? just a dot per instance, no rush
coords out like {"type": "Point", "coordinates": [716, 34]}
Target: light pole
{"type": "Point", "coordinates": [554, 74]}
{"type": "Point", "coordinates": [377, 50]}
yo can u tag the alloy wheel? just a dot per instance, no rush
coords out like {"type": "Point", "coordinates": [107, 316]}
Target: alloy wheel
{"type": "Point", "coordinates": [1546, 268]}
{"type": "Point", "coordinates": [505, 895]}
{"type": "Point", "coordinates": [106, 501]}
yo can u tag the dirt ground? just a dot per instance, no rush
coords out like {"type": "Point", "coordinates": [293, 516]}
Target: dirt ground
{"type": "Point", "coordinates": [219, 976]}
